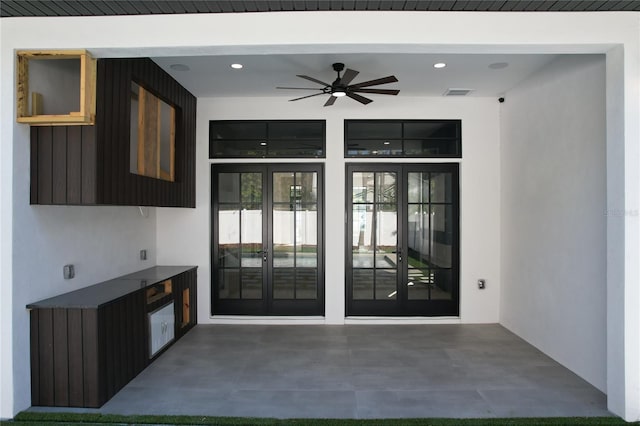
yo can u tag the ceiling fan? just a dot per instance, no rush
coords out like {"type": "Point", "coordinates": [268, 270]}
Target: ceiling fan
{"type": "Point", "coordinates": [341, 87]}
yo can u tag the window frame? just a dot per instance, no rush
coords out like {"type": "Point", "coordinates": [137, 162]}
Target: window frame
{"type": "Point", "coordinates": [457, 140]}
{"type": "Point", "coordinates": [268, 139]}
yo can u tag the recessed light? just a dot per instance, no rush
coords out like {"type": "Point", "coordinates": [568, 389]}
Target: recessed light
{"type": "Point", "coordinates": [263, 143]}
{"type": "Point", "coordinates": [237, 66]}
{"type": "Point", "coordinates": [498, 65]}
{"type": "Point", "coordinates": [179, 67]}
{"type": "Point", "coordinates": [386, 143]}
{"type": "Point", "coordinates": [439, 65]}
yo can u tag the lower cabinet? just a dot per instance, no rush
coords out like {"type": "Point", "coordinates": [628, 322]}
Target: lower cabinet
{"type": "Point", "coordinates": [85, 346]}
{"type": "Point", "coordinates": [161, 328]}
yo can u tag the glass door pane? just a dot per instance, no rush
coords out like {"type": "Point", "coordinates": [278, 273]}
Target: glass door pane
{"type": "Point", "coordinates": [267, 239]}
{"type": "Point", "coordinates": [295, 235]}
{"type": "Point", "coordinates": [374, 228]}
{"type": "Point", "coordinates": [429, 236]}
{"type": "Point", "coordinates": [402, 248]}
{"type": "Point", "coordinates": [239, 234]}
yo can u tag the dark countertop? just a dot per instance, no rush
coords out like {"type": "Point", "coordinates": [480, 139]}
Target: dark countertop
{"type": "Point", "coordinates": [96, 295]}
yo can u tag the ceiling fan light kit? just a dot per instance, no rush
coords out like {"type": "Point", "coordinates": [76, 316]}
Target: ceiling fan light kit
{"type": "Point", "coordinates": [341, 86]}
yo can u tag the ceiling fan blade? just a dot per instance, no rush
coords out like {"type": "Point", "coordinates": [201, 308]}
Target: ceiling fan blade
{"type": "Point", "coordinates": [306, 77]}
{"type": "Point", "coordinates": [305, 97]}
{"type": "Point", "coordinates": [348, 76]}
{"type": "Point", "coordinates": [383, 80]}
{"type": "Point", "coordinates": [330, 101]}
{"type": "Point", "coordinates": [378, 91]}
{"type": "Point", "coordinates": [359, 98]}
{"type": "Point", "coordinates": [299, 88]}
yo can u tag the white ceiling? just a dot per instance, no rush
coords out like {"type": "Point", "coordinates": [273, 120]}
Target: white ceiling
{"type": "Point", "coordinates": [212, 76]}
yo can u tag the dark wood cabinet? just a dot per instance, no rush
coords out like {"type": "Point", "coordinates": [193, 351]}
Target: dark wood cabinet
{"type": "Point", "coordinates": [91, 165]}
{"type": "Point", "coordinates": [88, 344]}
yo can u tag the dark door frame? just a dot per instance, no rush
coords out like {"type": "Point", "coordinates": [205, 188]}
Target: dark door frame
{"type": "Point", "coordinates": [268, 305]}
{"type": "Point", "coordinates": [401, 306]}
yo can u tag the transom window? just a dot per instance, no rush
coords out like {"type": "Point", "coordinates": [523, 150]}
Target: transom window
{"type": "Point", "coordinates": [403, 138]}
{"type": "Point", "coordinates": [267, 139]}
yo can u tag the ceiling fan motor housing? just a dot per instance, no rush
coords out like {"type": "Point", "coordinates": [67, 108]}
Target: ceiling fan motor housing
{"type": "Point", "coordinates": [342, 86]}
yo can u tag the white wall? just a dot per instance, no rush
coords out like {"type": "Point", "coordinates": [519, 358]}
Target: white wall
{"type": "Point", "coordinates": [101, 242]}
{"type": "Point", "coordinates": [554, 246]}
{"type": "Point", "coordinates": [184, 235]}
{"type": "Point", "coordinates": [300, 32]}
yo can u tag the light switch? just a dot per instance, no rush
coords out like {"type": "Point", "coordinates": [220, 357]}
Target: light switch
{"type": "Point", "coordinates": [68, 272]}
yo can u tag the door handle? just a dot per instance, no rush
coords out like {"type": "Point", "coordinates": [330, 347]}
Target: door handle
{"type": "Point", "coordinates": [399, 254]}
{"type": "Point", "coordinates": [264, 255]}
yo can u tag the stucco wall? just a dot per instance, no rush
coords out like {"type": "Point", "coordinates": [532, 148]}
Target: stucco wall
{"type": "Point", "coordinates": [554, 213]}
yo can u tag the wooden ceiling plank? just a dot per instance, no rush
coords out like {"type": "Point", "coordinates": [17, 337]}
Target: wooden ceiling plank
{"type": "Point", "coordinates": [189, 7]}
{"type": "Point", "coordinates": [238, 6]}
{"type": "Point", "coordinates": [592, 5]}
{"type": "Point", "coordinates": [226, 6]}
{"type": "Point", "coordinates": [51, 9]}
{"type": "Point", "coordinates": [301, 5]}
{"type": "Point", "coordinates": [117, 9]}
{"type": "Point", "coordinates": [11, 7]}
{"type": "Point", "coordinates": [521, 6]}
{"type": "Point", "coordinates": [410, 5]}
{"type": "Point", "coordinates": [103, 6]}
{"type": "Point", "coordinates": [262, 6]}
{"type": "Point", "coordinates": [178, 5]}
{"type": "Point", "coordinates": [274, 5]}
{"type": "Point", "coordinates": [497, 6]}
{"type": "Point", "coordinates": [632, 6]}
{"type": "Point", "coordinates": [33, 8]}
{"type": "Point", "coordinates": [250, 6]}
{"type": "Point", "coordinates": [422, 5]}
{"type": "Point", "coordinates": [459, 5]}
{"type": "Point", "coordinates": [286, 5]}
{"type": "Point", "coordinates": [153, 8]}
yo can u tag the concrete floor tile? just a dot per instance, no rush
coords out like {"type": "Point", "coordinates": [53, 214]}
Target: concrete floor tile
{"type": "Point", "coordinates": [359, 371]}
{"type": "Point", "coordinates": [417, 404]}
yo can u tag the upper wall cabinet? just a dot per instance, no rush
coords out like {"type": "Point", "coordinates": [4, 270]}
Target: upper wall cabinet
{"type": "Point", "coordinates": [56, 87]}
{"type": "Point", "coordinates": [140, 151]}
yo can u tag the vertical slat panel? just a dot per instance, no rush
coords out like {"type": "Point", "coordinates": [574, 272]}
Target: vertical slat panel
{"type": "Point", "coordinates": [109, 349]}
{"type": "Point", "coordinates": [116, 184]}
{"type": "Point", "coordinates": [177, 285]}
{"type": "Point", "coordinates": [142, 358]}
{"type": "Point", "coordinates": [60, 358]}
{"type": "Point", "coordinates": [34, 166]}
{"type": "Point", "coordinates": [105, 128]}
{"type": "Point", "coordinates": [118, 190]}
{"type": "Point", "coordinates": [35, 357]}
{"type": "Point", "coordinates": [74, 164]}
{"type": "Point", "coordinates": [76, 367]}
{"type": "Point", "coordinates": [103, 83]}
{"type": "Point", "coordinates": [59, 164]}
{"type": "Point", "coordinates": [129, 332]}
{"type": "Point", "coordinates": [45, 354]}
{"type": "Point", "coordinates": [194, 297]}
{"type": "Point", "coordinates": [93, 394]}
{"type": "Point", "coordinates": [123, 373]}
{"type": "Point", "coordinates": [89, 165]}
{"type": "Point", "coordinates": [45, 159]}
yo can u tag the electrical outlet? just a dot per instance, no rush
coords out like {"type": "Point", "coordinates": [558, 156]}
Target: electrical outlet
{"type": "Point", "coordinates": [68, 272]}
{"type": "Point", "coordinates": [482, 284]}
{"type": "Point", "coordinates": [143, 255]}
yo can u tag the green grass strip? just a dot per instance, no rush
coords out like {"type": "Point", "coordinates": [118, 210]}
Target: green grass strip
{"type": "Point", "coordinates": [37, 418]}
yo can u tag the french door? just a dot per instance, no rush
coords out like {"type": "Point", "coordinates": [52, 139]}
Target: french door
{"type": "Point", "coordinates": [267, 239]}
{"type": "Point", "coordinates": [402, 250]}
